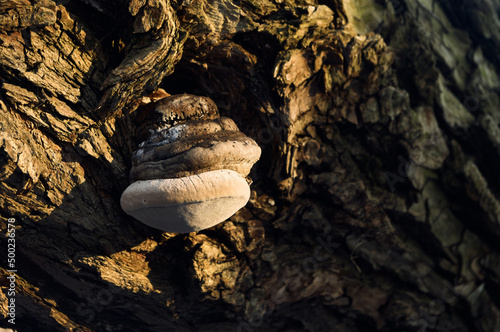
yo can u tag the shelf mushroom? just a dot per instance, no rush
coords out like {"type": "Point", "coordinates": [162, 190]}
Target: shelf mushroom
{"type": "Point", "coordinates": [190, 171]}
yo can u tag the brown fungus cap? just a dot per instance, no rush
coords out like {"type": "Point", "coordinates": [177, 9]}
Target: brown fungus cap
{"type": "Point", "coordinates": [181, 138]}
{"type": "Point", "coordinates": [162, 152]}
{"type": "Point", "coordinates": [236, 155]}
{"type": "Point", "coordinates": [173, 110]}
{"type": "Point", "coordinates": [187, 204]}
{"type": "Point", "coordinates": [186, 130]}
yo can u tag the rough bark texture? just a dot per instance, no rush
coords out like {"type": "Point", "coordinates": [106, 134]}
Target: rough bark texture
{"type": "Point", "coordinates": [375, 204]}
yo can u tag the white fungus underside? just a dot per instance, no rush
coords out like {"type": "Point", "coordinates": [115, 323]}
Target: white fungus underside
{"type": "Point", "coordinates": [191, 217]}
{"type": "Point", "coordinates": [186, 204]}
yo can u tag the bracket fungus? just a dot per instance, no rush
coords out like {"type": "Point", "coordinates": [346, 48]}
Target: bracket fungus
{"type": "Point", "coordinates": [190, 171]}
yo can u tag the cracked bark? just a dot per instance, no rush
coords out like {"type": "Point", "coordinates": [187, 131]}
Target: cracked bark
{"type": "Point", "coordinates": [375, 204]}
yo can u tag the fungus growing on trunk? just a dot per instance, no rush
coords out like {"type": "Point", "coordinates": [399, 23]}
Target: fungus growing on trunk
{"type": "Point", "coordinates": [189, 173]}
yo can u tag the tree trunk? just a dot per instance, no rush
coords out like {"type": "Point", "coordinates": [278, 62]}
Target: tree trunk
{"type": "Point", "coordinates": [375, 205]}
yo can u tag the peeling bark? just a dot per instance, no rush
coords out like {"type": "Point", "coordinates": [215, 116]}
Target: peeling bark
{"type": "Point", "coordinates": [375, 204]}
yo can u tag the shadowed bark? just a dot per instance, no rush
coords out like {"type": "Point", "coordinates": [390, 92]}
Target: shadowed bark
{"type": "Point", "coordinates": [375, 205]}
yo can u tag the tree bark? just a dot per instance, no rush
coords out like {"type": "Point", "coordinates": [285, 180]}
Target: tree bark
{"type": "Point", "coordinates": [375, 205]}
